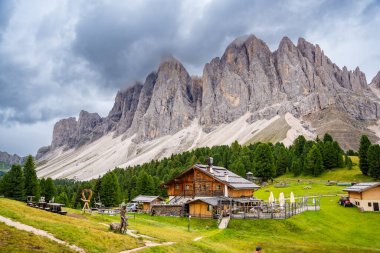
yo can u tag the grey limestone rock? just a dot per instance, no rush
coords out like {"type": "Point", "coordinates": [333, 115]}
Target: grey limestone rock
{"type": "Point", "coordinates": [247, 78]}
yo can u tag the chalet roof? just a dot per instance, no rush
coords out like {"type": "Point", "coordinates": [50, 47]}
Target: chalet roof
{"type": "Point", "coordinates": [146, 199]}
{"type": "Point", "coordinates": [361, 187]}
{"type": "Point", "coordinates": [235, 181]}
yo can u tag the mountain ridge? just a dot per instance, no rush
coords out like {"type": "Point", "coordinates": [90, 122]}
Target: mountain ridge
{"type": "Point", "coordinates": [248, 79]}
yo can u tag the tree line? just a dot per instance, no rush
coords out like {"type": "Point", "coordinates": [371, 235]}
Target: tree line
{"type": "Point", "coordinates": [265, 160]}
{"type": "Point", "coordinates": [21, 181]}
{"type": "Point", "coordinates": [369, 158]}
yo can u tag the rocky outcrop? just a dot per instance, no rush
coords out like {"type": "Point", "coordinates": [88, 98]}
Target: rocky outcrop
{"type": "Point", "coordinates": [64, 133]}
{"type": "Point", "coordinates": [376, 81]}
{"type": "Point", "coordinates": [11, 159]}
{"type": "Point", "coordinates": [172, 106]}
{"type": "Point", "coordinates": [123, 111]}
{"type": "Point", "coordinates": [247, 78]}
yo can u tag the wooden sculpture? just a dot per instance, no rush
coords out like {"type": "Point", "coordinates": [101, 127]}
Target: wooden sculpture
{"type": "Point", "coordinates": [86, 200]}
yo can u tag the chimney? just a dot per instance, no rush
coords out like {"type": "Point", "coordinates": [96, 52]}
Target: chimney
{"type": "Point", "coordinates": [225, 185]}
{"type": "Point", "coordinates": [210, 160]}
{"type": "Point", "coordinates": [249, 176]}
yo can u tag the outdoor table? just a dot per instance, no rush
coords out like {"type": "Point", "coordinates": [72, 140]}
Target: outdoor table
{"type": "Point", "coordinates": [56, 208]}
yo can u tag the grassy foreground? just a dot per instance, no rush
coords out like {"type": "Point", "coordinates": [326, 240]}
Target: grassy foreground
{"type": "Point", "coordinates": [13, 240]}
{"type": "Point", "coordinates": [79, 230]}
{"type": "Point", "coordinates": [332, 229]}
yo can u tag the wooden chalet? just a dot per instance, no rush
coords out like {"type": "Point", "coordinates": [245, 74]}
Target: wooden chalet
{"type": "Point", "coordinates": [202, 189]}
{"type": "Point", "coordinates": [365, 195]}
{"type": "Point", "coordinates": [209, 181]}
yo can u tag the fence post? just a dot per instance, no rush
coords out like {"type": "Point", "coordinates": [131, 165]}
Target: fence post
{"type": "Point", "coordinates": [285, 210]}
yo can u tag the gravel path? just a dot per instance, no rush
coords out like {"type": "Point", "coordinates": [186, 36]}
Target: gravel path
{"type": "Point", "coordinates": [39, 232]}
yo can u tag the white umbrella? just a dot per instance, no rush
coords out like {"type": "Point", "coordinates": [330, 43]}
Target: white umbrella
{"type": "Point", "coordinates": [271, 198]}
{"type": "Point", "coordinates": [281, 199]}
{"type": "Point", "coordinates": [292, 200]}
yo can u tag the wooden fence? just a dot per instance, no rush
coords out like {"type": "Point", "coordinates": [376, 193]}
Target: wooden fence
{"type": "Point", "coordinates": [275, 211]}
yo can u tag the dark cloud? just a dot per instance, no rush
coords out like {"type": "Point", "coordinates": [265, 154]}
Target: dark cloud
{"type": "Point", "coordinates": [57, 58]}
{"type": "Point", "coordinates": [6, 9]}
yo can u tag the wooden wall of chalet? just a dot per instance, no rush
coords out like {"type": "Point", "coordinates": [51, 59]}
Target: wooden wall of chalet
{"type": "Point", "coordinates": [355, 195]}
{"type": "Point", "coordinates": [148, 206]}
{"type": "Point", "coordinates": [200, 209]}
{"type": "Point", "coordinates": [198, 183]}
{"type": "Point", "coordinates": [240, 193]}
{"type": "Point", "coordinates": [195, 183]}
{"type": "Point", "coordinates": [373, 193]}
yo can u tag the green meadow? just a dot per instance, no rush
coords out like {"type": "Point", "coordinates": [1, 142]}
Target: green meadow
{"type": "Point", "coordinates": [332, 229]}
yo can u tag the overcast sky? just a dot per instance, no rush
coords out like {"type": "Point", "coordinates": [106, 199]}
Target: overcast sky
{"type": "Point", "coordinates": [58, 57]}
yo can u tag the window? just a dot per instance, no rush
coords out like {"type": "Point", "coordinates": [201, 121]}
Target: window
{"type": "Point", "coordinates": [218, 187]}
{"type": "Point", "coordinates": [187, 187]}
{"type": "Point", "coordinates": [177, 186]}
{"type": "Point", "coordinates": [369, 204]}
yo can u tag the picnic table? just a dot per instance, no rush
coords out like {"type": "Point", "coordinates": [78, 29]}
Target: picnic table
{"type": "Point", "coordinates": [42, 204]}
{"type": "Point", "coordinates": [55, 208]}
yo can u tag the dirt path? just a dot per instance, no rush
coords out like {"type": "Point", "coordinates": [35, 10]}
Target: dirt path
{"type": "Point", "coordinates": [147, 243]}
{"type": "Point", "coordinates": [39, 232]}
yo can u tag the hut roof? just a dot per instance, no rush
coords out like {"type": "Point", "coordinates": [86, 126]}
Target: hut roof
{"type": "Point", "coordinates": [361, 187]}
{"type": "Point", "coordinates": [208, 200]}
{"type": "Point", "coordinates": [235, 181]}
{"type": "Point", "coordinates": [146, 199]}
{"type": "Point", "coordinates": [219, 173]}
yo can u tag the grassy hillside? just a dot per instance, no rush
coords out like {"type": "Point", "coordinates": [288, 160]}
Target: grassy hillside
{"type": "Point", "coordinates": [13, 240]}
{"type": "Point", "coordinates": [338, 174]}
{"type": "Point", "coordinates": [78, 230]}
{"type": "Point", "coordinates": [333, 229]}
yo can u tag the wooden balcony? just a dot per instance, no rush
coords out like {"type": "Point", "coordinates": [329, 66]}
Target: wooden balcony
{"type": "Point", "coordinates": [202, 193]}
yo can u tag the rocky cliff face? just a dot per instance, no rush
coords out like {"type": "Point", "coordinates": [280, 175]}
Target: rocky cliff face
{"type": "Point", "coordinates": [247, 78]}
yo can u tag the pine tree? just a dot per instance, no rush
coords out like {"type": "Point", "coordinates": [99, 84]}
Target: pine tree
{"type": "Point", "coordinates": [329, 155]}
{"type": "Point", "coordinates": [49, 188]}
{"type": "Point", "coordinates": [4, 185]}
{"type": "Point", "coordinates": [373, 158]}
{"type": "Point", "coordinates": [42, 182]}
{"type": "Point", "coordinates": [63, 199]}
{"type": "Point", "coordinates": [263, 163]}
{"type": "Point", "coordinates": [238, 167]}
{"type": "Point", "coordinates": [327, 138]}
{"type": "Point", "coordinates": [14, 187]}
{"type": "Point", "coordinates": [313, 162]}
{"type": "Point", "coordinates": [110, 190]}
{"type": "Point", "coordinates": [349, 163]}
{"type": "Point", "coordinates": [296, 167]}
{"type": "Point", "coordinates": [145, 184]}
{"type": "Point", "coordinates": [298, 145]}
{"type": "Point", "coordinates": [363, 151]}
{"type": "Point", "coordinates": [281, 157]}
{"type": "Point", "coordinates": [338, 155]}
{"type": "Point", "coordinates": [97, 190]}
{"type": "Point", "coordinates": [31, 181]}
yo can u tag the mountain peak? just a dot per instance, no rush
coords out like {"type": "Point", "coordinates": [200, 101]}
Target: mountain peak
{"type": "Point", "coordinates": [247, 84]}
{"type": "Point", "coordinates": [376, 80]}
